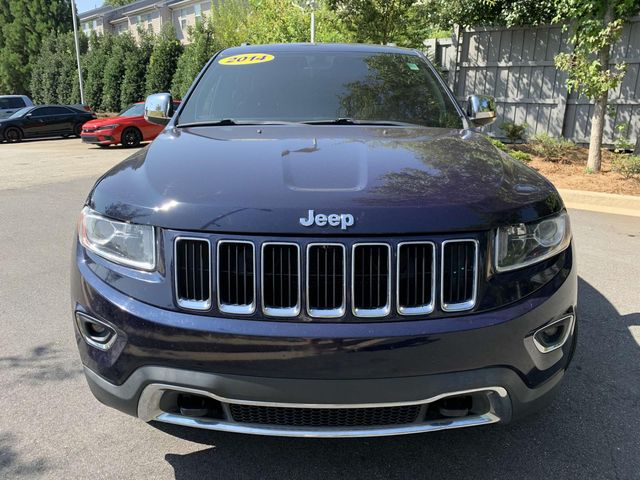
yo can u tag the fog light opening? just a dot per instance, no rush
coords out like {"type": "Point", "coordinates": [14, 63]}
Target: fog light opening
{"type": "Point", "coordinates": [95, 332]}
{"type": "Point", "coordinates": [553, 336]}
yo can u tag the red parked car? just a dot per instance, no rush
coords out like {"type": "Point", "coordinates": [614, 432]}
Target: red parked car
{"type": "Point", "coordinates": [128, 128]}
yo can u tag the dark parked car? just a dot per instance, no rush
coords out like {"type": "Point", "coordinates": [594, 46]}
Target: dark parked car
{"type": "Point", "coordinates": [320, 243]}
{"type": "Point", "coordinates": [43, 121]}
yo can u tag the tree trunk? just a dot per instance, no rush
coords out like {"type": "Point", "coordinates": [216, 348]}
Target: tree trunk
{"type": "Point", "coordinates": [599, 113]}
{"type": "Point", "coordinates": [597, 130]}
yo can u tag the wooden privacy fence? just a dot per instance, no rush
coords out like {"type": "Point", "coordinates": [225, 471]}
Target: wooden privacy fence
{"type": "Point", "coordinates": [516, 65]}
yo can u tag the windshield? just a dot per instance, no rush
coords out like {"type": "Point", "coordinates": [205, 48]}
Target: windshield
{"type": "Point", "coordinates": [317, 86]}
{"type": "Point", "coordinates": [135, 110]}
{"type": "Point", "coordinates": [20, 112]}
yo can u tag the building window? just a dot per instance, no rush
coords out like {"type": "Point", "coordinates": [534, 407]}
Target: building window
{"type": "Point", "coordinates": [197, 8]}
{"type": "Point", "coordinates": [182, 19]}
{"type": "Point", "coordinates": [149, 19]}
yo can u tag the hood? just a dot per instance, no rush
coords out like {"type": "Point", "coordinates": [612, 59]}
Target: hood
{"type": "Point", "coordinates": [99, 122]}
{"type": "Point", "coordinates": [263, 180]}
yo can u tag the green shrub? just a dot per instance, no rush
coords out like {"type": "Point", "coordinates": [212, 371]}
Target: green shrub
{"type": "Point", "coordinates": [94, 64]}
{"type": "Point", "coordinates": [135, 67]}
{"type": "Point", "coordinates": [622, 142]}
{"type": "Point", "coordinates": [54, 75]}
{"type": "Point", "coordinates": [514, 131]}
{"type": "Point", "coordinates": [163, 61]}
{"type": "Point", "coordinates": [498, 144]}
{"type": "Point", "coordinates": [550, 148]}
{"type": "Point", "coordinates": [114, 71]}
{"type": "Point", "coordinates": [524, 157]}
{"type": "Point", "coordinates": [627, 165]}
{"type": "Point", "coordinates": [194, 57]}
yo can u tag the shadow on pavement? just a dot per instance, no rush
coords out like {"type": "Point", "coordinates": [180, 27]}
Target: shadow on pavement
{"type": "Point", "coordinates": [10, 460]}
{"type": "Point", "coordinates": [590, 431]}
{"type": "Point", "coordinates": [42, 363]}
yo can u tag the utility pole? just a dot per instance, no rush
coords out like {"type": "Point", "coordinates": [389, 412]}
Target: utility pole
{"type": "Point", "coordinates": [310, 4]}
{"type": "Point", "coordinates": [75, 36]}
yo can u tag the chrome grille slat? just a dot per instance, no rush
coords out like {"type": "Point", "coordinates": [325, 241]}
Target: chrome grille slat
{"type": "Point", "coordinates": [416, 278]}
{"type": "Point", "coordinates": [280, 281]}
{"type": "Point", "coordinates": [326, 280]}
{"type": "Point", "coordinates": [236, 284]}
{"type": "Point", "coordinates": [192, 273]}
{"type": "Point", "coordinates": [458, 274]}
{"type": "Point", "coordinates": [370, 279]}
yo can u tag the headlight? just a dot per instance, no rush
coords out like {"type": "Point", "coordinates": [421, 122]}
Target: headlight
{"type": "Point", "coordinates": [125, 243]}
{"type": "Point", "coordinates": [524, 244]}
{"type": "Point", "coordinates": [108, 127]}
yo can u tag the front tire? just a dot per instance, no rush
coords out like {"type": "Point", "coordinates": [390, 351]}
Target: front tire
{"type": "Point", "coordinates": [77, 129]}
{"type": "Point", "coordinates": [13, 135]}
{"type": "Point", "coordinates": [131, 137]}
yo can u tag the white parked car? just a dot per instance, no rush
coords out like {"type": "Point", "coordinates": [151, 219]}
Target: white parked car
{"type": "Point", "coordinates": [9, 104]}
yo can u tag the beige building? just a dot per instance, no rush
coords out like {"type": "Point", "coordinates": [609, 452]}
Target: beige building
{"type": "Point", "coordinates": [148, 15]}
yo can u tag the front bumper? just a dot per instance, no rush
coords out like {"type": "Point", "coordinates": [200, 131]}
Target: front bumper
{"type": "Point", "coordinates": [321, 366]}
{"type": "Point", "coordinates": [98, 139]}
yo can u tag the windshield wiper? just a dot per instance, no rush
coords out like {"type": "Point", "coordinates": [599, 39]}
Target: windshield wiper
{"type": "Point", "coordinates": [351, 121]}
{"type": "Point", "coordinates": [227, 122]}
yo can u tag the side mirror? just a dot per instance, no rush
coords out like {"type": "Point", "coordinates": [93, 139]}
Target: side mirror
{"type": "Point", "coordinates": [29, 115]}
{"type": "Point", "coordinates": [481, 110]}
{"type": "Point", "coordinates": [158, 108]}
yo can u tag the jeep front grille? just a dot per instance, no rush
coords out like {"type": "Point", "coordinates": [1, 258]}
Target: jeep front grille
{"type": "Point", "coordinates": [281, 279]}
{"type": "Point", "coordinates": [459, 274]}
{"type": "Point", "coordinates": [326, 280]}
{"type": "Point", "coordinates": [236, 277]}
{"type": "Point", "coordinates": [416, 284]}
{"type": "Point", "coordinates": [290, 279]}
{"type": "Point", "coordinates": [370, 285]}
{"type": "Point", "coordinates": [193, 274]}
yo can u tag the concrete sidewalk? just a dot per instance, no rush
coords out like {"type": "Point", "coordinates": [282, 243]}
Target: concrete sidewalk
{"type": "Point", "coordinates": [601, 202]}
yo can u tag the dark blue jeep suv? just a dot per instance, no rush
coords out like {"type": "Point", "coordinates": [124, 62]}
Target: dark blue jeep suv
{"type": "Point", "coordinates": [320, 243]}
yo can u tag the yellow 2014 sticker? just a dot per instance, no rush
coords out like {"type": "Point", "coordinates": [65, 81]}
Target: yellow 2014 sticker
{"type": "Point", "coordinates": [247, 59]}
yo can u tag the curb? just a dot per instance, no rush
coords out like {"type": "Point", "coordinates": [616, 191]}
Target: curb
{"type": "Point", "coordinates": [601, 202]}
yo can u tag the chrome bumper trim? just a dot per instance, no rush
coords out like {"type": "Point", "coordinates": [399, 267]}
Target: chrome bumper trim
{"type": "Point", "coordinates": [149, 410]}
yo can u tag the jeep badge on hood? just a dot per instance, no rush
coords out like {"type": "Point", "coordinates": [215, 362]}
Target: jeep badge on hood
{"type": "Point", "coordinates": [343, 220]}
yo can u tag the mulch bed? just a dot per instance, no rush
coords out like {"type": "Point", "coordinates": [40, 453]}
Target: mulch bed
{"type": "Point", "coordinates": [571, 172]}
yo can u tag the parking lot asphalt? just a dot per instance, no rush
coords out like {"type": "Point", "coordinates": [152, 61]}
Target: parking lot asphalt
{"type": "Point", "coordinates": [52, 427]}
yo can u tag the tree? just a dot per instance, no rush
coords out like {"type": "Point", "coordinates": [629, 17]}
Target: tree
{"type": "Point", "coordinates": [54, 78]}
{"type": "Point", "coordinates": [94, 63]}
{"type": "Point", "coordinates": [117, 3]}
{"type": "Point", "coordinates": [279, 21]}
{"type": "Point", "coordinates": [25, 23]}
{"type": "Point", "coordinates": [596, 26]}
{"type": "Point", "coordinates": [194, 57]}
{"type": "Point", "coordinates": [445, 14]}
{"type": "Point", "coordinates": [114, 71]}
{"type": "Point", "coordinates": [383, 21]}
{"type": "Point", "coordinates": [163, 61]}
{"type": "Point", "coordinates": [135, 66]}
